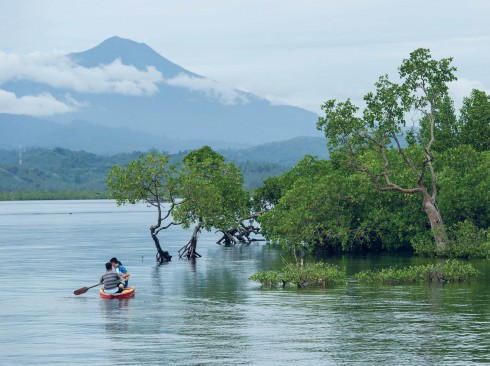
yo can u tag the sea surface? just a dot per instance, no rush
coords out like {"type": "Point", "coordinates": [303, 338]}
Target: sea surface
{"type": "Point", "coordinates": [208, 312]}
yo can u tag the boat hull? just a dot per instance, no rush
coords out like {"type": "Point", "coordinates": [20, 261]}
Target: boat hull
{"type": "Point", "coordinates": [126, 294]}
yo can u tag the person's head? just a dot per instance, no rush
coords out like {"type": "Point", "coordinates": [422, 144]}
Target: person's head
{"type": "Point", "coordinates": [108, 266]}
{"type": "Point", "coordinates": [114, 262]}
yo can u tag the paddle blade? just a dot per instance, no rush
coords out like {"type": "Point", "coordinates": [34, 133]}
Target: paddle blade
{"type": "Point", "coordinates": [81, 291]}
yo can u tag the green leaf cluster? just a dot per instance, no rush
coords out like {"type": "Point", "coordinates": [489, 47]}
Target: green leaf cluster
{"type": "Point", "coordinates": [147, 179]}
{"type": "Point", "coordinates": [204, 188]}
{"type": "Point", "coordinates": [211, 191]}
{"type": "Point", "coordinates": [450, 271]}
{"type": "Point", "coordinates": [337, 210]}
{"type": "Point", "coordinates": [317, 274]}
{"type": "Point", "coordinates": [466, 240]}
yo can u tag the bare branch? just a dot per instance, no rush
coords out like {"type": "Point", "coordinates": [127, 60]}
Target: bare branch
{"type": "Point", "coordinates": [167, 226]}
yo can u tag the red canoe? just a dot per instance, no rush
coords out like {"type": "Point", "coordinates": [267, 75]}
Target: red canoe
{"type": "Point", "coordinates": [127, 293]}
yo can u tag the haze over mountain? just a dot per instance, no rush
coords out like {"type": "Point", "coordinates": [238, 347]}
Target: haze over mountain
{"type": "Point", "coordinates": [122, 95]}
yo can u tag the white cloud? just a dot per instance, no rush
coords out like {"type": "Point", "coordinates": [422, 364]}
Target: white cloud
{"type": "Point", "coordinates": [34, 105]}
{"type": "Point", "coordinates": [221, 92]}
{"type": "Point", "coordinates": [59, 71]}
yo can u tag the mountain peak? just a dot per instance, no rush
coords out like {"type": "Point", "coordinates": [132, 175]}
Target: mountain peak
{"type": "Point", "coordinates": [182, 109]}
{"type": "Point", "coordinates": [116, 42]}
{"type": "Point", "coordinates": [129, 52]}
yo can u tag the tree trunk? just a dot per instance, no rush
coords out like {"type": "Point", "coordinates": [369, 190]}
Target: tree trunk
{"type": "Point", "coordinates": [435, 219]}
{"type": "Point", "coordinates": [242, 235]}
{"type": "Point", "coordinates": [228, 237]}
{"type": "Point", "coordinates": [193, 243]}
{"type": "Point", "coordinates": [189, 250]}
{"type": "Point", "coordinates": [162, 256]}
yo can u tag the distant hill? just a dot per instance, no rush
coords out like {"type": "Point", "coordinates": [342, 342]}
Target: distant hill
{"type": "Point", "coordinates": [63, 170]}
{"type": "Point", "coordinates": [25, 131]}
{"type": "Point", "coordinates": [177, 111]}
{"type": "Point", "coordinates": [287, 152]}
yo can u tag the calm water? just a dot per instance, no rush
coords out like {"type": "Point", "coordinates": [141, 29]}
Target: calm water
{"type": "Point", "coordinates": [208, 312]}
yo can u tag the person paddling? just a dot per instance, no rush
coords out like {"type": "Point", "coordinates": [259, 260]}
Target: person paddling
{"type": "Point", "coordinates": [121, 270]}
{"type": "Point", "coordinates": [111, 280]}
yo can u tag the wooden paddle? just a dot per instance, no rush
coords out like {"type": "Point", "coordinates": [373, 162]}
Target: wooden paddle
{"type": "Point", "coordinates": [84, 289]}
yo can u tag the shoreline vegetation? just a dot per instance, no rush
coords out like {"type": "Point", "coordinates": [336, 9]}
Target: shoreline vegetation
{"type": "Point", "coordinates": [52, 196]}
{"type": "Point", "coordinates": [323, 274]}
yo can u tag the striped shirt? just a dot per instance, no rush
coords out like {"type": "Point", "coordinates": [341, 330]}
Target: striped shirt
{"type": "Point", "coordinates": [110, 280]}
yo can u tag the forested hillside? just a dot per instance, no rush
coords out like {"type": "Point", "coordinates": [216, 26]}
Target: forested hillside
{"type": "Point", "coordinates": [62, 173]}
{"type": "Point", "coordinates": [287, 152]}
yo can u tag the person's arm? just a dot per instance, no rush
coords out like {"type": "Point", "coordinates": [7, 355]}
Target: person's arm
{"type": "Point", "coordinates": [124, 273]}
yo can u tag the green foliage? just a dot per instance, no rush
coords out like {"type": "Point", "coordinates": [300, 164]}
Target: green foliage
{"type": "Point", "coordinates": [465, 241]}
{"type": "Point", "coordinates": [268, 195]}
{"type": "Point", "coordinates": [451, 271]}
{"type": "Point", "coordinates": [146, 179]}
{"type": "Point", "coordinates": [384, 118]}
{"type": "Point", "coordinates": [421, 93]}
{"type": "Point", "coordinates": [422, 73]}
{"type": "Point", "coordinates": [446, 127]}
{"type": "Point", "coordinates": [338, 210]}
{"type": "Point", "coordinates": [475, 121]}
{"type": "Point", "coordinates": [312, 274]}
{"type": "Point", "coordinates": [267, 278]}
{"type": "Point", "coordinates": [464, 183]}
{"type": "Point", "coordinates": [327, 205]}
{"type": "Point", "coordinates": [318, 211]}
{"type": "Point", "coordinates": [211, 190]}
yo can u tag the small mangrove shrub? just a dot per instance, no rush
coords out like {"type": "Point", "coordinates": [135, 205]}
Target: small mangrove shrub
{"type": "Point", "coordinates": [311, 274]}
{"type": "Point", "coordinates": [451, 271]}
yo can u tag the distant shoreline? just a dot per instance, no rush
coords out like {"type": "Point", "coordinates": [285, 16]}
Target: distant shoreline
{"type": "Point", "coordinates": [52, 196]}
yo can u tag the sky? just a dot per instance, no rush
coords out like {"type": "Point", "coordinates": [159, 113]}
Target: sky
{"type": "Point", "coordinates": [300, 53]}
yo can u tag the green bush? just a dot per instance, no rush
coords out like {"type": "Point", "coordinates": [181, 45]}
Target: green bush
{"type": "Point", "coordinates": [465, 241]}
{"type": "Point", "coordinates": [314, 274]}
{"type": "Point", "coordinates": [451, 271]}
{"type": "Point", "coordinates": [267, 278]}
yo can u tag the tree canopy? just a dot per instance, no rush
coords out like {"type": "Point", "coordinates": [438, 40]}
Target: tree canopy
{"type": "Point", "coordinates": [407, 143]}
{"type": "Point", "coordinates": [421, 95]}
{"type": "Point", "coordinates": [148, 179]}
{"type": "Point", "coordinates": [203, 191]}
{"type": "Point", "coordinates": [212, 194]}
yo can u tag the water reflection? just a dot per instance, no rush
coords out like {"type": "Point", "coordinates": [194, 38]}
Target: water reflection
{"type": "Point", "coordinates": [116, 315]}
{"type": "Point", "coordinates": [156, 280]}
